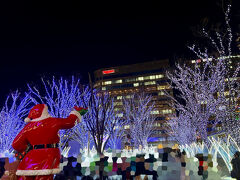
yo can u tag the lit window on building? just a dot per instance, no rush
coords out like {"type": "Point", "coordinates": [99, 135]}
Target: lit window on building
{"type": "Point", "coordinates": [135, 84]}
{"type": "Point", "coordinates": [118, 81]}
{"type": "Point", "coordinates": [140, 78]}
{"type": "Point", "coordinates": [146, 77]}
{"type": "Point", "coordinates": [163, 87]}
{"type": "Point", "coordinates": [116, 127]}
{"type": "Point", "coordinates": [209, 59]}
{"type": "Point", "coordinates": [203, 102]}
{"type": "Point", "coordinates": [119, 97]}
{"type": "Point", "coordinates": [226, 93]}
{"type": "Point", "coordinates": [193, 61]}
{"type": "Point", "coordinates": [167, 111]}
{"type": "Point", "coordinates": [117, 109]}
{"type": "Point", "coordinates": [130, 80]}
{"type": "Point", "coordinates": [161, 93]}
{"type": "Point", "coordinates": [152, 88]}
{"type": "Point", "coordinates": [224, 57]}
{"type": "Point", "coordinates": [149, 83]}
{"type": "Point", "coordinates": [107, 82]}
{"type": "Point", "coordinates": [158, 76]}
{"type": "Point", "coordinates": [103, 88]}
{"type": "Point", "coordinates": [231, 79]}
{"type": "Point", "coordinates": [218, 128]}
{"type": "Point", "coordinates": [117, 103]}
{"type": "Point", "coordinates": [128, 96]}
{"type": "Point", "coordinates": [153, 77]}
{"type": "Point", "coordinates": [119, 114]}
{"type": "Point", "coordinates": [154, 112]}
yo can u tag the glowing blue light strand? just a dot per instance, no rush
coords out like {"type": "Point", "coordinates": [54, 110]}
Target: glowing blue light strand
{"type": "Point", "coordinates": [16, 108]}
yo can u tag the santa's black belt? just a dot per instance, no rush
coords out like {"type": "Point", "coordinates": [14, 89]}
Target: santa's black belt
{"type": "Point", "coordinates": [43, 146]}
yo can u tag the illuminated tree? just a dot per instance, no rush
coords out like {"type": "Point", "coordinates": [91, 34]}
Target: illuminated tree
{"type": "Point", "coordinates": [138, 111]}
{"type": "Point", "coordinates": [198, 88]}
{"type": "Point", "coordinates": [208, 92]}
{"type": "Point", "coordinates": [80, 134]}
{"type": "Point", "coordinates": [101, 118]}
{"type": "Point", "coordinates": [60, 96]}
{"type": "Point", "coordinates": [12, 116]}
{"type": "Point", "coordinates": [182, 129]}
{"type": "Point", "coordinates": [118, 135]}
{"type": "Point", "coordinates": [229, 93]}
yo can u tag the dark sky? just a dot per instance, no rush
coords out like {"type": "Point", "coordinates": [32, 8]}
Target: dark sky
{"type": "Point", "coordinates": [42, 39]}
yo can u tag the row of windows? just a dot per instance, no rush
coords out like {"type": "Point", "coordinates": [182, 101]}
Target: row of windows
{"type": "Point", "coordinates": [118, 103]}
{"type": "Point", "coordinates": [232, 79]}
{"type": "Point", "coordinates": [210, 59]}
{"type": "Point", "coordinates": [164, 111]}
{"type": "Point", "coordinates": [160, 87]}
{"type": "Point", "coordinates": [161, 93]}
{"type": "Point", "coordinates": [163, 125]}
{"type": "Point", "coordinates": [157, 100]}
{"type": "Point", "coordinates": [140, 78]}
{"type": "Point", "coordinates": [201, 60]}
{"type": "Point", "coordinates": [163, 87]}
{"type": "Point", "coordinates": [111, 76]}
{"type": "Point", "coordinates": [112, 82]}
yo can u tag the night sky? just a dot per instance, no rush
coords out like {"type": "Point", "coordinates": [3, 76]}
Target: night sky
{"type": "Point", "coordinates": [42, 39]}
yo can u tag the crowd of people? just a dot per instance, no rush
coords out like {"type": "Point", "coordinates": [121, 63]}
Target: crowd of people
{"type": "Point", "coordinates": [135, 167]}
{"type": "Point", "coordinates": [130, 167]}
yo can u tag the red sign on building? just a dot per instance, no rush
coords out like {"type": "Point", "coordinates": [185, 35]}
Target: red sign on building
{"type": "Point", "coordinates": [110, 71]}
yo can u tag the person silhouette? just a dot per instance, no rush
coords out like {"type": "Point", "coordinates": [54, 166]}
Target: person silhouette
{"type": "Point", "coordinates": [235, 173]}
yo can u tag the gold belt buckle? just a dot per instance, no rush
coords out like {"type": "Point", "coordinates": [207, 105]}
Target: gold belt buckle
{"type": "Point", "coordinates": [54, 145]}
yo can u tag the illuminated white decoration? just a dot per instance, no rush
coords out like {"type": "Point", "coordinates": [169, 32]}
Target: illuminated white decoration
{"type": "Point", "coordinates": [218, 147]}
{"type": "Point", "coordinates": [101, 118]}
{"type": "Point", "coordinates": [118, 135]}
{"type": "Point", "coordinates": [138, 112]}
{"type": "Point", "coordinates": [12, 114]}
{"type": "Point", "coordinates": [205, 97]}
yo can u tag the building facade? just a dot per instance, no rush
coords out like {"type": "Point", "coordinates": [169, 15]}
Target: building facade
{"type": "Point", "coordinates": [122, 81]}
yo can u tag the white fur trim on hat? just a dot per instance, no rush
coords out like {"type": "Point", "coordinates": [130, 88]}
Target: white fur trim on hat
{"type": "Point", "coordinates": [37, 172]}
{"type": "Point", "coordinates": [27, 120]}
{"type": "Point", "coordinates": [76, 113]}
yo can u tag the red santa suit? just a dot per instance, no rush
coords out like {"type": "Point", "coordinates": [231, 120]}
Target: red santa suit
{"type": "Point", "coordinates": [42, 130]}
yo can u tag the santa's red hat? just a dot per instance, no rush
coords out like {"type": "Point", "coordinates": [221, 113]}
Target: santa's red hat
{"type": "Point", "coordinates": [37, 112]}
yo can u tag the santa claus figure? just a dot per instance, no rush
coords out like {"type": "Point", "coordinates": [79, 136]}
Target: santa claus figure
{"type": "Point", "coordinates": [41, 133]}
